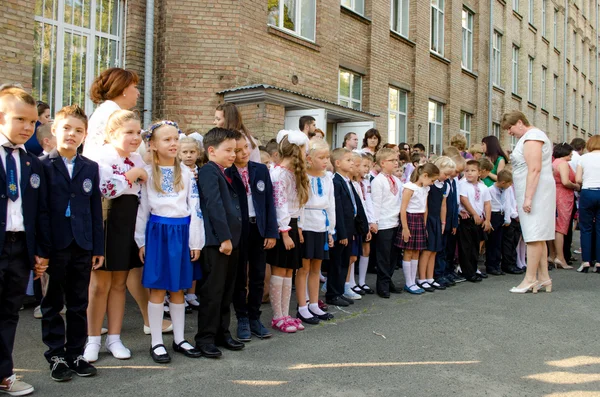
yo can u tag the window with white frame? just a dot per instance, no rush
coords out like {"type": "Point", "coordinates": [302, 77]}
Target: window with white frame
{"type": "Point", "coordinates": [295, 16]}
{"type": "Point", "coordinates": [543, 18]}
{"type": "Point", "coordinates": [399, 22]}
{"type": "Point", "coordinates": [496, 130]}
{"type": "Point", "coordinates": [437, 26]}
{"type": "Point", "coordinates": [350, 90]}
{"type": "Point", "coordinates": [554, 95]}
{"type": "Point", "coordinates": [530, 79]}
{"type": "Point", "coordinates": [555, 28]}
{"type": "Point", "coordinates": [530, 16]}
{"type": "Point", "coordinates": [543, 88]}
{"type": "Point", "coordinates": [515, 5]}
{"type": "Point", "coordinates": [515, 69]}
{"type": "Point", "coordinates": [467, 39]}
{"type": "Point", "coordinates": [465, 126]}
{"type": "Point", "coordinates": [497, 59]}
{"type": "Point", "coordinates": [73, 42]}
{"type": "Point", "coordinates": [397, 107]}
{"type": "Point", "coordinates": [436, 127]}
{"type": "Point", "coordinates": [357, 6]}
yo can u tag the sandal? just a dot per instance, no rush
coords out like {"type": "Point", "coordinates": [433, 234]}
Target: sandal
{"type": "Point", "coordinates": [357, 290]}
{"type": "Point", "coordinates": [296, 322]}
{"type": "Point", "coordinates": [282, 324]}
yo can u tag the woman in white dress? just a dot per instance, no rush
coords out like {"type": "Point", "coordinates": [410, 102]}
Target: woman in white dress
{"type": "Point", "coordinates": [536, 197]}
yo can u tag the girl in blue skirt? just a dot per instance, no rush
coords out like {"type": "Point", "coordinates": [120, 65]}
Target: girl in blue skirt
{"type": "Point", "coordinates": [169, 234]}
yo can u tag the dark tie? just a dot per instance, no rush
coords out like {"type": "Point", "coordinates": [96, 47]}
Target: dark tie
{"type": "Point", "coordinates": [11, 175]}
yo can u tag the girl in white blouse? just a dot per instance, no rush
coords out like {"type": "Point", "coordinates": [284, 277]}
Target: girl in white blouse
{"type": "Point", "coordinates": [167, 225]}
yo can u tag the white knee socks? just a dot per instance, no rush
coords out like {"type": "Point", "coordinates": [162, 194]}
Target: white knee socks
{"type": "Point", "coordinates": [275, 291]}
{"type": "Point", "coordinates": [178, 318]}
{"type": "Point", "coordinates": [363, 264]}
{"type": "Point", "coordinates": [352, 281]}
{"type": "Point", "coordinates": [406, 269]}
{"type": "Point", "coordinates": [155, 319]}
{"type": "Point", "coordinates": [414, 266]}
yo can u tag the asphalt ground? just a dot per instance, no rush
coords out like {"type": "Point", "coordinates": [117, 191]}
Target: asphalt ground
{"type": "Point", "coordinates": [470, 340]}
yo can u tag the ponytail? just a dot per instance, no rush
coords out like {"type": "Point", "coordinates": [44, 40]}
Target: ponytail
{"type": "Point", "coordinates": [428, 168]}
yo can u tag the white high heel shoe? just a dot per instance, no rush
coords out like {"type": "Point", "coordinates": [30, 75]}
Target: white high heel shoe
{"type": "Point", "coordinates": [531, 287]}
{"type": "Point", "coordinates": [164, 331]}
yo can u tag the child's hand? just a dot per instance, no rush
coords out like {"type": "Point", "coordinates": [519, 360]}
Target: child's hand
{"type": "Point", "coordinates": [287, 241]}
{"type": "Point", "coordinates": [142, 254]}
{"type": "Point", "coordinates": [373, 228]}
{"type": "Point", "coordinates": [369, 236]}
{"type": "Point", "coordinates": [226, 247]}
{"type": "Point", "coordinates": [195, 255]}
{"type": "Point", "coordinates": [269, 243]}
{"type": "Point", "coordinates": [330, 241]}
{"type": "Point", "coordinates": [300, 236]}
{"type": "Point", "coordinates": [142, 175]}
{"type": "Point", "coordinates": [487, 226]}
{"type": "Point", "coordinates": [97, 262]}
{"type": "Point", "coordinates": [506, 225]}
{"type": "Point", "coordinates": [464, 215]}
{"type": "Point", "coordinates": [405, 235]}
{"type": "Point", "coordinates": [41, 265]}
{"type": "Point", "coordinates": [453, 231]}
{"type": "Point", "coordinates": [478, 220]}
{"type": "Point", "coordinates": [343, 242]}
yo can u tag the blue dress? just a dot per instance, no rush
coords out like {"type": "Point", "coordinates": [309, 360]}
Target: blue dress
{"type": "Point", "coordinates": [434, 221]}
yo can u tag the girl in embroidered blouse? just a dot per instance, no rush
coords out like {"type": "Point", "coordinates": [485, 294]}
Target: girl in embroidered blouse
{"type": "Point", "coordinates": [121, 175]}
{"type": "Point", "coordinates": [290, 194]}
{"type": "Point", "coordinates": [316, 225]}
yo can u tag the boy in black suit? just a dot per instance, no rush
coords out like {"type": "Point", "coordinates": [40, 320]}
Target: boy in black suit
{"type": "Point", "coordinates": [259, 233]}
{"type": "Point", "coordinates": [220, 205]}
{"type": "Point", "coordinates": [77, 244]}
{"type": "Point", "coordinates": [24, 224]}
{"type": "Point", "coordinates": [349, 212]}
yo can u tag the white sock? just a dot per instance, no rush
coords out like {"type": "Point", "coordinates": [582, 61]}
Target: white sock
{"type": "Point", "coordinates": [110, 339]}
{"type": "Point", "coordinates": [190, 297]}
{"type": "Point", "coordinates": [178, 318]}
{"type": "Point", "coordinates": [94, 340]}
{"type": "Point", "coordinates": [275, 291]}
{"type": "Point", "coordinates": [363, 265]}
{"type": "Point", "coordinates": [429, 280]}
{"type": "Point", "coordinates": [286, 294]}
{"type": "Point", "coordinates": [414, 266]}
{"type": "Point", "coordinates": [351, 272]}
{"type": "Point", "coordinates": [419, 281]}
{"type": "Point", "coordinates": [414, 287]}
{"type": "Point", "coordinates": [314, 307]}
{"type": "Point", "coordinates": [303, 310]}
{"type": "Point", "coordinates": [307, 295]}
{"type": "Point", "coordinates": [406, 269]}
{"type": "Point", "coordinates": [155, 319]}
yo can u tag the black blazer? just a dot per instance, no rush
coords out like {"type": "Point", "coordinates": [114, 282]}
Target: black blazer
{"type": "Point", "coordinates": [220, 206]}
{"type": "Point", "coordinates": [345, 221]}
{"type": "Point", "coordinates": [85, 225]}
{"type": "Point", "coordinates": [262, 197]}
{"type": "Point", "coordinates": [34, 196]}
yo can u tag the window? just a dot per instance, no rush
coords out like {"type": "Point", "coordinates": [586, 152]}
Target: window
{"type": "Point", "coordinates": [555, 28]}
{"type": "Point", "coordinates": [397, 115]}
{"type": "Point", "coordinates": [73, 44]}
{"type": "Point", "coordinates": [530, 16]}
{"type": "Point", "coordinates": [467, 39]}
{"type": "Point", "coordinates": [496, 130]}
{"type": "Point", "coordinates": [437, 26]}
{"type": "Point", "coordinates": [543, 88]}
{"type": "Point", "coordinates": [350, 91]}
{"type": "Point", "coordinates": [296, 16]}
{"type": "Point", "coordinates": [400, 17]}
{"type": "Point", "coordinates": [465, 126]}
{"type": "Point", "coordinates": [574, 106]}
{"type": "Point", "coordinates": [515, 69]}
{"type": "Point", "coordinates": [436, 128]}
{"type": "Point", "coordinates": [554, 96]}
{"type": "Point", "coordinates": [530, 79]}
{"type": "Point", "coordinates": [516, 5]}
{"type": "Point", "coordinates": [497, 60]}
{"type": "Point", "coordinates": [355, 5]}
{"type": "Point", "coordinates": [543, 18]}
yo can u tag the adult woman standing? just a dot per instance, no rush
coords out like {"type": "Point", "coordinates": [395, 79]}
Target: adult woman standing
{"type": "Point", "coordinates": [535, 192]}
{"type": "Point", "coordinates": [588, 175]}
{"type": "Point", "coordinates": [493, 151]}
{"type": "Point", "coordinates": [228, 116]}
{"type": "Point", "coordinates": [371, 142]}
{"type": "Point", "coordinates": [565, 199]}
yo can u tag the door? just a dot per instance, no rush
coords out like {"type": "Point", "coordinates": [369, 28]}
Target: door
{"type": "Point", "coordinates": [292, 118]}
{"type": "Point", "coordinates": [359, 128]}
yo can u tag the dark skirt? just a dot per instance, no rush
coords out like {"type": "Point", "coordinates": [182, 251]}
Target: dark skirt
{"type": "Point", "coordinates": [356, 246]}
{"type": "Point", "coordinates": [315, 245]}
{"type": "Point", "coordinates": [280, 257]}
{"type": "Point", "coordinates": [418, 239]}
{"type": "Point", "coordinates": [434, 235]}
{"type": "Point", "coordinates": [121, 251]}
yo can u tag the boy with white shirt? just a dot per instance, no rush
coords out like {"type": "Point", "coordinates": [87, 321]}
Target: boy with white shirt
{"type": "Point", "coordinates": [499, 221]}
{"type": "Point", "coordinates": [386, 195]}
{"type": "Point", "coordinates": [476, 209]}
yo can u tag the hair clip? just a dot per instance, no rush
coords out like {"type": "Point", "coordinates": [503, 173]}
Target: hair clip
{"type": "Point", "coordinates": [147, 134]}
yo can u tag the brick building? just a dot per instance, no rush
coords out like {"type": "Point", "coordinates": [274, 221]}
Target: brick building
{"type": "Point", "coordinates": [419, 71]}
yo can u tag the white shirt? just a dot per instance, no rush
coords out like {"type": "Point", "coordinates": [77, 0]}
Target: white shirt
{"type": "Point", "coordinates": [476, 200]}
{"type": "Point", "coordinates": [418, 200]}
{"type": "Point", "coordinates": [575, 156]}
{"type": "Point", "coordinates": [590, 162]}
{"type": "Point", "coordinates": [511, 202]}
{"type": "Point", "coordinates": [386, 205]}
{"type": "Point", "coordinates": [456, 182]}
{"type": "Point", "coordinates": [14, 209]}
{"type": "Point", "coordinates": [97, 126]}
{"type": "Point", "coordinates": [251, 210]}
{"type": "Point", "coordinates": [285, 197]}
{"type": "Point", "coordinates": [319, 210]}
{"type": "Point", "coordinates": [170, 204]}
{"type": "Point", "coordinates": [112, 172]}
{"type": "Point", "coordinates": [367, 200]}
{"type": "Point", "coordinates": [500, 202]}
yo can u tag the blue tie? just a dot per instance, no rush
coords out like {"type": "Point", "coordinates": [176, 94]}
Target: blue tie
{"type": "Point", "coordinates": [11, 175]}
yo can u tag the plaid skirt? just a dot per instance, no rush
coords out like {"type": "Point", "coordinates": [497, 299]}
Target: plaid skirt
{"type": "Point", "coordinates": [418, 236]}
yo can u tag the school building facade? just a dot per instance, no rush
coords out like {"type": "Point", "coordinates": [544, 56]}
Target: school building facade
{"type": "Point", "coordinates": [419, 71]}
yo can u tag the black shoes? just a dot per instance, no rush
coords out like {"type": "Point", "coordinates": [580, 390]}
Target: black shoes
{"type": "Point", "coordinates": [366, 289]}
{"type": "Point", "coordinates": [82, 367]}
{"type": "Point", "coordinates": [60, 370]}
{"type": "Point", "coordinates": [230, 344]}
{"type": "Point", "coordinates": [308, 320]}
{"type": "Point", "coordinates": [337, 301]}
{"type": "Point", "coordinates": [350, 301]}
{"type": "Point", "coordinates": [394, 289]}
{"type": "Point", "coordinates": [160, 358]}
{"type": "Point", "coordinates": [426, 286]}
{"type": "Point", "coordinates": [384, 295]}
{"type": "Point", "coordinates": [495, 272]}
{"type": "Point", "coordinates": [209, 350]}
{"type": "Point", "coordinates": [191, 353]}
{"type": "Point", "coordinates": [513, 270]}
{"type": "Point", "coordinates": [323, 317]}
{"type": "Point", "coordinates": [474, 279]}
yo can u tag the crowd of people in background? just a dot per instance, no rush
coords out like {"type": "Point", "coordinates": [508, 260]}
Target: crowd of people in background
{"type": "Point", "coordinates": [206, 221]}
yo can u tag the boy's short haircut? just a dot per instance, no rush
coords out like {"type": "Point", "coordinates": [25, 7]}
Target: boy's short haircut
{"type": "Point", "coordinates": [505, 176]}
{"type": "Point", "coordinates": [473, 163]}
{"type": "Point", "coordinates": [485, 164]}
{"type": "Point", "coordinates": [459, 161]}
{"type": "Point", "coordinates": [263, 154]}
{"type": "Point", "coordinates": [272, 147]}
{"type": "Point", "coordinates": [356, 156]}
{"type": "Point", "coordinates": [368, 156]}
{"type": "Point", "coordinates": [338, 154]}
{"type": "Point", "coordinates": [415, 158]}
{"type": "Point", "coordinates": [43, 131]}
{"type": "Point", "coordinates": [74, 111]}
{"type": "Point", "coordinates": [19, 94]}
{"type": "Point", "coordinates": [216, 136]}
{"type": "Point", "coordinates": [385, 154]}
{"type": "Point", "coordinates": [450, 151]}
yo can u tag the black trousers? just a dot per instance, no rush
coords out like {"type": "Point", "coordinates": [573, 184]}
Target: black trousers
{"type": "Point", "coordinates": [510, 240]}
{"type": "Point", "coordinates": [387, 258]}
{"type": "Point", "coordinates": [339, 262]}
{"type": "Point", "coordinates": [215, 293]}
{"type": "Point", "coordinates": [69, 273]}
{"type": "Point", "coordinates": [468, 246]}
{"type": "Point", "coordinates": [568, 241]}
{"type": "Point", "coordinates": [450, 252]}
{"type": "Point", "coordinates": [251, 270]}
{"type": "Point", "coordinates": [493, 246]}
{"type": "Point", "coordinates": [14, 276]}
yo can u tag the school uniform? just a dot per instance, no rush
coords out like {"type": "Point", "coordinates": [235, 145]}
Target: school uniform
{"type": "Point", "coordinates": [24, 233]}
{"type": "Point", "coordinates": [415, 220]}
{"type": "Point", "coordinates": [221, 208]}
{"type": "Point", "coordinates": [259, 222]}
{"type": "Point", "coordinates": [511, 234]}
{"type": "Point", "coordinates": [75, 206]}
{"type": "Point", "coordinates": [350, 219]}
{"type": "Point", "coordinates": [317, 218]}
{"type": "Point", "coordinates": [500, 217]}
{"type": "Point", "coordinates": [444, 260]}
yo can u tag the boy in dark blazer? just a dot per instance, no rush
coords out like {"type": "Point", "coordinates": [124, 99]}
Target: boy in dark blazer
{"type": "Point", "coordinates": [77, 244]}
{"type": "Point", "coordinates": [259, 233]}
{"type": "Point", "coordinates": [220, 204]}
{"type": "Point", "coordinates": [24, 224]}
{"type": "Point", "coordinates": [348, 212]}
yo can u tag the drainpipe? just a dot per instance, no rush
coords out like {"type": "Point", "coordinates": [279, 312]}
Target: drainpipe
{"type": "Point", "coordinates": [565, 71]}
{"type": "Point", "coordinates": [148, 56]}
{"type": "Point", "coordinates": [491, 68]}
{"type": "Point", "coordinates": [596, 81]}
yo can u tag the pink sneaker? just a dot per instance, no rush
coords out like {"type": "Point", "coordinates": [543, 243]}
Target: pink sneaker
{"type": "Point", "coordinates": [296, 322]}
{"type": "Point", "coordinates": [282, 324]}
